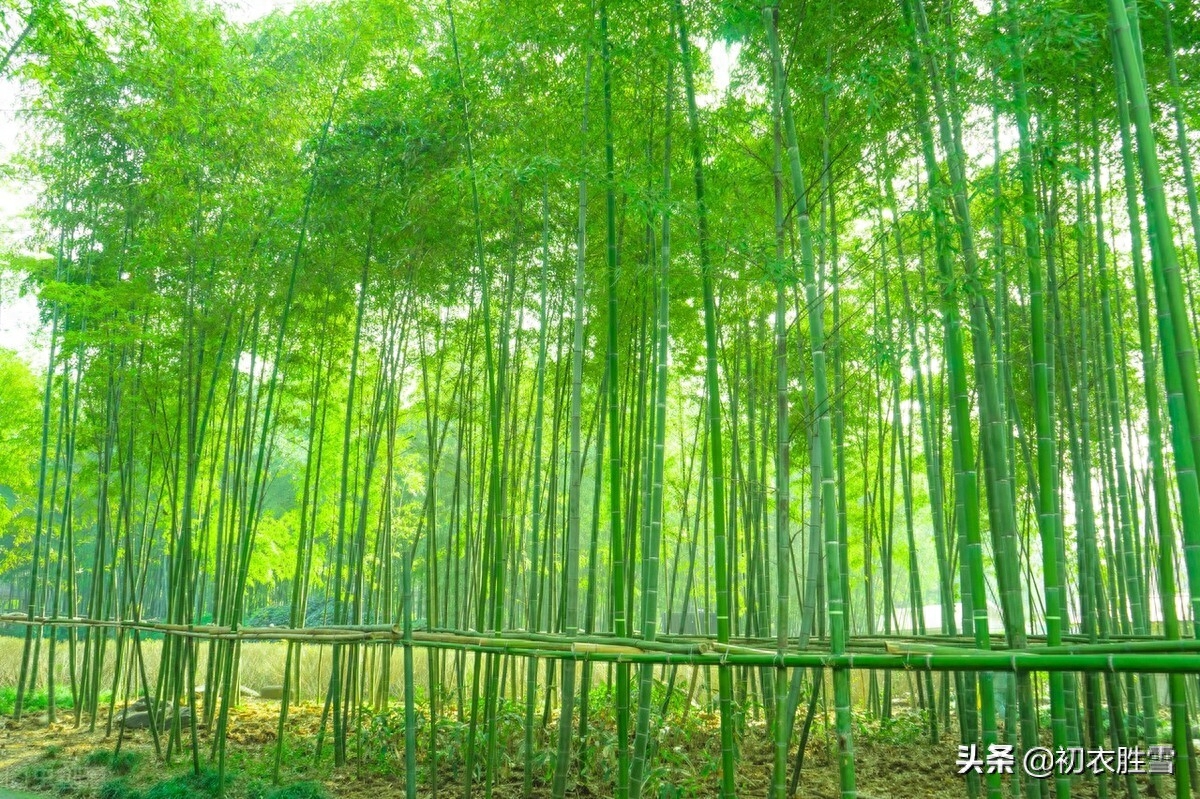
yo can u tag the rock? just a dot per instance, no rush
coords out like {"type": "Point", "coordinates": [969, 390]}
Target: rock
{"type": "Point", "coordinates": [136, 721]}
{"type": "Point", "coordinates": [271, 692]}
{"type": "Point", "coordinates": [249, 692]}
{"type": "Point", "coordinates": [138, 717]}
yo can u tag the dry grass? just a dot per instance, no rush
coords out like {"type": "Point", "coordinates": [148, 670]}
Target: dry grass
{"type": "Point", "coordinates": [260, 664]}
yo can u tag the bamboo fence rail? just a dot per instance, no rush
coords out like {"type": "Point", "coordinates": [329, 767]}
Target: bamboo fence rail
{"type": "Point", "coordinates": [1144, 656]}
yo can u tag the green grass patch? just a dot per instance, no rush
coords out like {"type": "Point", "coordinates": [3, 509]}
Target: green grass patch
{"type": "Point", "coordinates": [37, 776]}
{"type": "Point", "coordinates": [300, 790]}
{"type": "Point", "coordinates": [99, 757]}
{"type": "Point", "coordinates": [185, 786]}
{"type": "Point", "coordinates": [124, 762]}
{"type": "Point", "coordinates": [35, 701]}
{"type": "Point", "coordinates": [118, 789]}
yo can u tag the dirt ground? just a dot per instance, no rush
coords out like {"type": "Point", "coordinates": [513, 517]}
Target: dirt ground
{"type": "Point", "coordinates": [58, 760]}
{"type": "Point", "coordinates": [891, 760]}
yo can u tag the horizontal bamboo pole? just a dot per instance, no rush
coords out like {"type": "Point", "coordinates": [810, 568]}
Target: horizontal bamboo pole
{"type": "Point", "coordinates": [867, 642]}
{"type": "Point", "coordinates": [1143, 646]}
{"type": "Point", "coordinates": [1159, 656]}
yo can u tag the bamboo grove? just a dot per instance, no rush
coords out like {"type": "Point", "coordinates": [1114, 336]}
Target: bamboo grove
{"type": "Point", "coordinates": [790, 361]}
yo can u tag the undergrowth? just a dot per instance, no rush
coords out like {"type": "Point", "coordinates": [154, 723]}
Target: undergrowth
{"type": "Point", "coordinates": [35, 701]}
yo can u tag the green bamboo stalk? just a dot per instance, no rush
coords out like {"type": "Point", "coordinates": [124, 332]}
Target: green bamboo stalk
{"type": "Point", "coordinates": [975, 613]}
{"type": "Point", "coordinates": [825, 471]}
{"type": "Point", "coordinates": [783, 543]}
{"type": "Point", "coordinates": [1179, 363]}
{"type": "Point", "coordinates": [575, 478]}
{"type": "Point", "coordinates": [1049, 519]}
{"type": "Point", "coordinates": [651, 564]}
{"type": "Point", "coordinates": [717, 460]}
{"type": "Point", "coordinates": [618, 596]}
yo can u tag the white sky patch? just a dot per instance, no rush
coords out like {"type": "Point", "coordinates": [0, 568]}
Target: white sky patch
{"type": "Point", "coordinates": [16, 196]}
{"type": "Point", "coordinates": [243, 11]}
{"type": "Point", "coordinates": [257, 368]}
{"type": "Point", "coordinates": [20, 325]}
{"type": "Point", "coordinates": [978, 137]}
{"type": "Point", "coordinates": [723, 58]}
